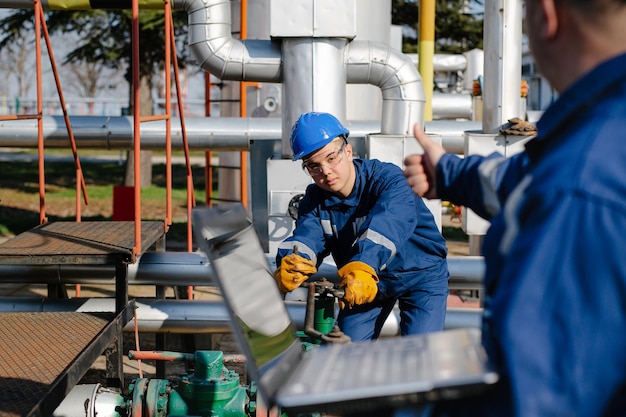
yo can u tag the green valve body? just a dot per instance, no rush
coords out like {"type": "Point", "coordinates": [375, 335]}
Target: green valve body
{"type": "Point", "coordinates": [212, 390]}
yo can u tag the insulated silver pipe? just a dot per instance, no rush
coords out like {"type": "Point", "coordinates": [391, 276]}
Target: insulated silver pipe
{"type": "Point", "coordinates": [91, 400]}
{"type": "Point", "coordinates": [399, 81]}
{"type": "Point", "coordinates": [151, 268]}
{"type": "Point", "coordinates": [185, 269]}
{"type": "Point", "coordinates": [215, 133]}
{"type": "Point", "coordinates": [198, 316]}
{"type": "Point", "coordinates": [217, 52]}
{"type": "Point", "coordinates": [503, 63]}
{"type": "Point", "coordinates": [314, 80]}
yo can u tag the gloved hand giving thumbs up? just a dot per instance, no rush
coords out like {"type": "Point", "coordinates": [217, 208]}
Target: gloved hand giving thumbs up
{"type": "Point", "coordinates": [420, 169]}
{"type": "Point", "coordinates": [293, 271]}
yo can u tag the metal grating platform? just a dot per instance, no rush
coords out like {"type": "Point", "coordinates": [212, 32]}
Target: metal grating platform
{"type": "Point", "coordinates": [41, 358]}
{"type": "Point", "coordinates": [43, 355]}
{"type": "Point", "coordinates": [79, 243]}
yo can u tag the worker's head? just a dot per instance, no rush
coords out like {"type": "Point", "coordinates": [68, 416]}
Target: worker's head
{"type": "Point", "coordinates": [320, 140]}
{"type": "Point", "coordinates": [312, 131]}
{"type": "Point", "coordinates": [568, 38]}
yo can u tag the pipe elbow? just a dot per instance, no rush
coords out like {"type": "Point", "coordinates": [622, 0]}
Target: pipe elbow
{"type": "Point", "coordinates": [218, 53]}
{"type": "Point", "coordinates": [382, 66]}
{"type": "Point", "coordinates": [396, 76]}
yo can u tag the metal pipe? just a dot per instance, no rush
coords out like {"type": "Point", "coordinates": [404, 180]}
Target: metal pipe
{"type": "Point", "coordinates": [199, 316]}
{"type": "Point", "coordinates": [399, 81]}
{"type": "Point", "coordinates": [452, 106]}
{"type": "Point", "coordinates": [219, 133]}
{"type": "Point", "coordinates": [503, 68]}
{"type": "Point", "coordinates": [314, 80]}
{"type": "Point", "coordinates": [152, 268]}
{"type": "Point", "coordinates": [193, 268]}
{"type": "Point", "coordinates": [91, 400]}
{"type": "Point", "coordinates": [212, 44]}
{"type": "Point", "coordinates": [217, 52]}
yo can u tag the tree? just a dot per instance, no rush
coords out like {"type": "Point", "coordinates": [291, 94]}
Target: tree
{"type": "Point", "coordinates": [17, 66]}
{"type": "Point", "coordinates": [104, 37]}
{"type": "Point", "coordinates": [458, 24]}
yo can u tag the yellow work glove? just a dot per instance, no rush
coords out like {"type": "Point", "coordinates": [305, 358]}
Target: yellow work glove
{"type": "Point", "coordinates": [293, 271]}
{"type": "Point", "coordinates": [358, 280]}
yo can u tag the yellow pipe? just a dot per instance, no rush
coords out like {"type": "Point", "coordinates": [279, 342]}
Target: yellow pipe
{"type": "Point", "coordinates": [426, 51]}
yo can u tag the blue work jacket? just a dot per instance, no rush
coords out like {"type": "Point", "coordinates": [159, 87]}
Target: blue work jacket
{"type": "Point", "coordinates": [554, 319]}
{"type": "Point", "coordinates": [381, 223]}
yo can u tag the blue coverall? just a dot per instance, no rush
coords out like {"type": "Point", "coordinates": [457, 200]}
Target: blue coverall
{"type": "Point", "coordinates": [555, 316]}
{"type": "Point", "coordinates": [383, 224]}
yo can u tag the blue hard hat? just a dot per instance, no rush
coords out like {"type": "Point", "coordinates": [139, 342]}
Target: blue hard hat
{"type": "Point", "coordinates": [313, 131]}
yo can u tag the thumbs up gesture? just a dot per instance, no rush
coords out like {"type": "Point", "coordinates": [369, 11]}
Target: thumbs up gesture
{"type": "Point", "coordinates": [420, 169]}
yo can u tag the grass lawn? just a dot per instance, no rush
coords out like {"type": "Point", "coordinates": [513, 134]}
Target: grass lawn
{"type": "Point", "coordinates": [19, 193]}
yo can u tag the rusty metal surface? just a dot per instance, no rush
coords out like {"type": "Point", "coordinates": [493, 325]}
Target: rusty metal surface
{"type": "Point", "coordinates": [37, 352]}
{"type": "Point", "coordinates": [95, 243]}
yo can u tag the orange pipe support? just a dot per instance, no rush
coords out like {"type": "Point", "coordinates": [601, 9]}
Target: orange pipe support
{"type": "Point", "coordinates": [243, 105]}
{"type": "Point", "coordinates": [80, 180]}
{"type": "Point", "coordinates": [40, 154]}
{"type": "Point", "coordinates": [136, 125]}
{"type": "Point", "coordinates": [20, 117]}
{"type": "Point", "coordinates": [168, 35]}
{"type": "Point", "coordinates": [154, 117]}
{"type": "Point", "coordinates": [191, 199]}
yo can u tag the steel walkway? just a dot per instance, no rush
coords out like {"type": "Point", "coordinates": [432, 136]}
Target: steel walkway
{"type": "Point", "coordinates": [43, 355]}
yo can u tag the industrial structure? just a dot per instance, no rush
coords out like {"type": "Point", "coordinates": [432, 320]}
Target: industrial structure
{"type": "Point", "coordinates": [307, 55]}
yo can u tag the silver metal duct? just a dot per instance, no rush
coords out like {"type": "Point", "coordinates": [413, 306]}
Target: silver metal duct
{"type": "Point", "coordinates": [503, 63]}
{"type": "Point", "coordinates": [314, 80]}
{"type": "Point", "coordinates": [185, 268]}
{"type": "Point", "coordinates": [199, 316]}
{"type": "Point", "coordinates": [399, 81]}
{"type": "Point", "coordinates": [214, 133]}
{"type": "Point", "coordinates": [91, 400]}
{"type": "Point", "coordinates": [452, 106]}
{"type": "Point", "coordinates": [152, 268]}
{"type": "Point", "coordinates": [217, 52]}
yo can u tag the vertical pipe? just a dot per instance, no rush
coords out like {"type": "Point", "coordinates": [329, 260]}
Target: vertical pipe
{"type": "Point", "coordinates": [503, 57]}
{"type": "Point", "coordinates": [314, 79]}
{"type": "Point", "coordinates": [136, 124]}
{"type": "Point", "coordinates": [426, 51]}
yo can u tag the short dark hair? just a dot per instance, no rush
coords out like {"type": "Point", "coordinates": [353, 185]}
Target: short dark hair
{"type": "Point", "coordinates": [596, 7]}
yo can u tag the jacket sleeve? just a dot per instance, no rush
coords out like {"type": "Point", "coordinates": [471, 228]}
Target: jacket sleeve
{"type": "Point", "coordinates": [390, 222]}
{"type": "Point", "coordinates": [478, 182]}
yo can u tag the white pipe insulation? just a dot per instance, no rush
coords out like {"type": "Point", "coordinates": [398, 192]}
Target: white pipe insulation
{"type": "Point", "coordinates": [217, 52]}
{"type": "Point", "coordinates": [200, 316]}
{"type": "Point", "coordinates": [213, 133]}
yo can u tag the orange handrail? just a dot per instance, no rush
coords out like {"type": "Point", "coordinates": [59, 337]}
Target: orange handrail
{"type": "Point", "coordinates": [40, 155]}
{"type": "Point", "coordinates": [168, 36]}
{"type": "Point", "coordinates": [80, 179]}
{"type": "Point", "coordinates": [243, 105]}
{"type": "Point", "coordinates": [136, 124]}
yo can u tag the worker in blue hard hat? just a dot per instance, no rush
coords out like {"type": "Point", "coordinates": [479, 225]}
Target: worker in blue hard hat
{"type": "Point", "coordinates": [383, 238]}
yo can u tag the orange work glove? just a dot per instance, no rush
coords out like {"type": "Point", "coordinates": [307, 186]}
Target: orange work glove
{"type": "Point", "coordinates": [358, 280]}
{"type": "Point", "coordinates": [293, 271]}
